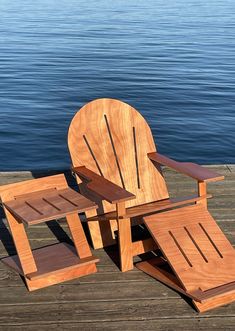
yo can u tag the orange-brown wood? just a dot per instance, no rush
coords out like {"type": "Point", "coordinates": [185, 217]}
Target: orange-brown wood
{"type": "Point", "coordinates": [203, 301]}
{"type": "Point", "coordinates": [48, 205]}
{"type": "Point", "coordinates": [51, 260]}
{"type": "Point", "coordinates": [60, 277]}
{"type": "Point", "coordinates": [194, 246]}
{"type": "Point", "coordinates": [11, 191]}
{"type": "Point", "coordinates": [115, 159]}
{"type": "Point", "coordinates": [142, 246]}
{"type": "Point", "coordinates": [125, 244]}
{"type": "Point", "coordinates": [124, 238]}
{"type": "Point", "coordinates": [102, 187]}
{"type": "Point", "coordinates": [199, 255]}
{"type": "Point", "coordinates": [121, 209]}
{"type": "Point", "coordinates": [102, 233]}
{"type": "Point", "coordinates": [157, 268]}
{"type": "Point", "coordinates": [150, 208]}
{"type": "Point", "coordinates": [191, 169]}
{"type": "Point", "coordinates": [78, 235]}
{"type": "Point", "coordinates": [214, 302]}
{"type": "Point", "coordinates": [50, 198]}
{"type": "Point", "coordinates": [202, 189]}
{"type": "Point", "coordinates": [21, 243]}
{"type": "Point", "coordinates": [112, 139]}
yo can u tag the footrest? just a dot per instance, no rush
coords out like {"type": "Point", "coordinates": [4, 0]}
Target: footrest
{"type": "Point", "coordinates": [198, 259]}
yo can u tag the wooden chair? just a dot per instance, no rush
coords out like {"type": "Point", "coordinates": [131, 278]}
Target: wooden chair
{"type": "Point", "coordinates": [117, 166]}
{"type": "Point", "coordinates": [41, 200]}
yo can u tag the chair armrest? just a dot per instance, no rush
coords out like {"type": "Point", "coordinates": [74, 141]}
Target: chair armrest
{"type": "Point", "coordinates": [103, 187]}
{"type": "Point", "coordinates": [190, 169]}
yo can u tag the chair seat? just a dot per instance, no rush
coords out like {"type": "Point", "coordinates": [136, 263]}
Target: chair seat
{"type": "Point", "coordinates": [150, 208]}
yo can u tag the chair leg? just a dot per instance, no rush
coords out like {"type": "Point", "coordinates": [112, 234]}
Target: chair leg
{"type": "Point", "coordinates": [125, 244]}
{"type": "Point", "coordinates": [78, 235]}
{"type": "Point", "coordinates": [22, 244]}
{"type": "Point", "coordinates": [102, 233]}
{"type": "Point", "coordinates": [202, 191]}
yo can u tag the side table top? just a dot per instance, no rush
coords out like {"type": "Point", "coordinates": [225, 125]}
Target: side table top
{"type": "Point", "coordinates": [46, 205]}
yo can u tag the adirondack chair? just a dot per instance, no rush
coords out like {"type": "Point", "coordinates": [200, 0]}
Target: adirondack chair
{"type": "Point", "coordinates": [117, 166]}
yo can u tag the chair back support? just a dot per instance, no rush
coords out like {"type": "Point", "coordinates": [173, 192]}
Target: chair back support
{"type": "Point", "coordinates": [112, 139]}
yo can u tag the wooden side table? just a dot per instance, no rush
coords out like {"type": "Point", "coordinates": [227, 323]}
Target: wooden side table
{"type": "Point", "coordinates": [41, 200]}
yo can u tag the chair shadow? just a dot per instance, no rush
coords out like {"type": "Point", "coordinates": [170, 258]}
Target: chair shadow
{"type": "Point", "coordinates": [59, 232]}
{"type": "Point", "coordinates": [113, 254]}
{"type": "Point", "coordinates": [138, 233]}
{"type": "Point", "coordinates": [7, 240]}
{"type": "Point", "coordinates": [68, 175]}
{"type": "Point", "coordinates": [5, 236]}
{"type": "Point", "coordinates": [149, 256]}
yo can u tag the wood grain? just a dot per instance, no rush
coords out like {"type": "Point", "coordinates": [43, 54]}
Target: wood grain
{"type": "Point", "coordinates": [112, 150]}
{"type": "Point", "coordinates": [203, 301]}
{"type": "Point", "coordinates": [194, 246]}
{"type": "Point", "coordinates": [78, 235]}
{"type": "Point", "coordinates": [102, 233]}
{"type": "Point", "coordinates": [111, 139]}
{"type": "Point", "coordinates": [190, 169]}
{"type": "Point", "coordinates": [152, 207]}
{"type": "Point", "coordinates": [48, 205]}
{"type": "Point", "coordinates": [214, 302]}
{"type": "Point", "coordinates": [51, 260]}
{"type": "Point", "coordinates": [108, 126]}
{"type": "Point", "coordinates": [202, 190]}
{"type": "Point", "coordinates": [21, 244]}
{"type": "Point", "coordinates": [47, 265]}
{"type": "Point", "coordinates": [124, 239]}
{"type": "Point", "coordinates": [153, 268]}
{"type": "Point", "coordinates": [125, 244]}
{"type": "Point", "coordinates": [102, 187]}
{"type": "Point", "coordinates": [61, 276]}
{"type": "Point", "coordinates": [143, 246]}
{"type": "Point", "coordinates": [10, 191]}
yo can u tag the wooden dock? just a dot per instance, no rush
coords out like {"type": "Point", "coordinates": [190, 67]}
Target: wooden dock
{"type": "Point", "coordinates": [111, 300]}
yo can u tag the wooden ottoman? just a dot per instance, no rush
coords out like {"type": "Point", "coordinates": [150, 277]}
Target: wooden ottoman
{"type": "Point", "coordinates": [197, 259]}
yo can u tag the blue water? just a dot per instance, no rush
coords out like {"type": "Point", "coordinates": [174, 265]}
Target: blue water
{"type": "Point", "coordinates": [172, 60]}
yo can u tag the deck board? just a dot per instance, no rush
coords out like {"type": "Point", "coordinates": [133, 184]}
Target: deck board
{"type": "Point", "coordinates": [111, 300]}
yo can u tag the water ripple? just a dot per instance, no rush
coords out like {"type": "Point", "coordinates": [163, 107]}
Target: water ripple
{"type": "Point", "coordinates": [172, 60]}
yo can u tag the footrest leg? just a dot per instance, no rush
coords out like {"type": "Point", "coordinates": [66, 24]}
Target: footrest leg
{"type": "Point", "coordinates": [214, 302]}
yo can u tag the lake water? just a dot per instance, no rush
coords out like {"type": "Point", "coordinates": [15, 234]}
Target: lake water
{"type": "Point", "coordinates": [174, 61]}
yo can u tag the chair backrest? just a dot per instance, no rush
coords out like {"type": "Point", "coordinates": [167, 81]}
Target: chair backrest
{"type": "Point", "coordinates": [112, 139]}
